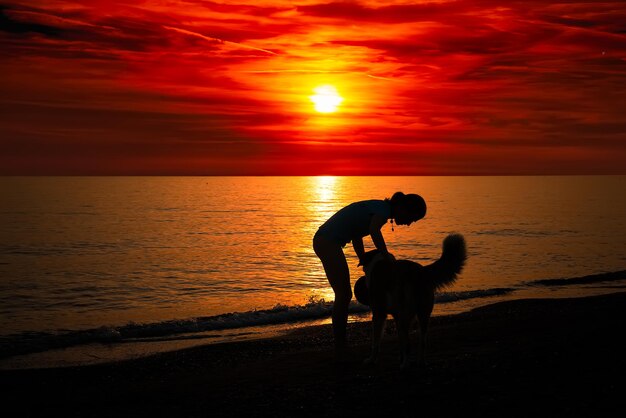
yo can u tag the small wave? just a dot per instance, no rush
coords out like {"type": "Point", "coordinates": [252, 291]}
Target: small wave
{"type": "Point", "coordinates": [591, 279]}
{"type": "Point", "coordinates": [517, 232]}
{"type": "Point", "coordinates": [69, 248]}
{"type": "Point", "coordinates": [447, 297]}
{"type": "Point", "coordinates": [30, 342]}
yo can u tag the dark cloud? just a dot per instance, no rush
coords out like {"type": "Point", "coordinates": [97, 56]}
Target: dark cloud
{"type": "Point", "coordinates": [7, 24]}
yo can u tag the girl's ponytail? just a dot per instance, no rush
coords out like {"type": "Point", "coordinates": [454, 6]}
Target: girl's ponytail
{"type": "Point", "coordinates": [397, 198]}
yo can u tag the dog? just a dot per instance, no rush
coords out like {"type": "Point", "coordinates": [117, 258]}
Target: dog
{"type": "Point", "coordinates": [406, 290]}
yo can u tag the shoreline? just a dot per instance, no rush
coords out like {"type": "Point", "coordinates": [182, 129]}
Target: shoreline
{"type": "Point", "coordinates": [104, 352]}
{"type": "Point", "coordinates": [516, 357]}
{"type": "Point", "coordinates": [110, 343]}
{"type": "Point", "coordinates": [108, 346]}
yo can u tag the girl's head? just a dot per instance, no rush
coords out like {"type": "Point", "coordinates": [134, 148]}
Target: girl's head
{"type": "Point", "coordinates": [407, 208]}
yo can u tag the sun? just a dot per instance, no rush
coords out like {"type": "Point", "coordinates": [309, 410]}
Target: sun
{"type": "Point", "coordinates": [326, 99]}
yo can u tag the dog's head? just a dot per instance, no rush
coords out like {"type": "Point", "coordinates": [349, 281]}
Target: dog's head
{"type": "Point", "coordinates": [368, 261]}
{"type": "Point", "coordinates": [370, 258]}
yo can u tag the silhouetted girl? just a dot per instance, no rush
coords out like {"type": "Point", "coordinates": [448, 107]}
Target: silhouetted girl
{"type": "Point", "coordinates": [352, 223]}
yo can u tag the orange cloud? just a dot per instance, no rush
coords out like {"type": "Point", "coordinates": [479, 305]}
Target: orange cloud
{"type": "Point", "coordinates": [446, 87]}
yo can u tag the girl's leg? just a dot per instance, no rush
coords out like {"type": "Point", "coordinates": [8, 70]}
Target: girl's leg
{"type": "Point", "coordinates": [336, 268]}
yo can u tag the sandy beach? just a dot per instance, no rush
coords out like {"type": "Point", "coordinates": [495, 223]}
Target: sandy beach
{"type": "Point", "coordinates": [515, 358]}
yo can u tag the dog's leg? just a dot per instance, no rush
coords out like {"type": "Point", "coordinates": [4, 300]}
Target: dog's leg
{"type": "Point", "coordinates": [424, 310]}
{"type": "Point", "coordinates": [403, 323]}
{"type": "Point", "coordinates": [378, 326]}
{"type": "Point", "coordinates": [423, 318]}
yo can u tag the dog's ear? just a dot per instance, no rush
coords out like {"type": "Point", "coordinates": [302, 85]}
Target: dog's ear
{"type": "Point", "coordinates": [367, 257]}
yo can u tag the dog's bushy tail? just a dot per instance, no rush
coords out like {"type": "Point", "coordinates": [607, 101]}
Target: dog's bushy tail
{"type": "Point", "coordinates": [444, 271]}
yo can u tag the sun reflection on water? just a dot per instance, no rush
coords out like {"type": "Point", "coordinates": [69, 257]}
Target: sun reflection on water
{"type": "Point", "coordinates": [326, 187]}
{"type": "Point", "coordinates": [323, 192]}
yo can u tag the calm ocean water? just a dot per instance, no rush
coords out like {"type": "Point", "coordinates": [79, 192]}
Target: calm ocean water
{"type": "Point", "coordinates": [91, 258]}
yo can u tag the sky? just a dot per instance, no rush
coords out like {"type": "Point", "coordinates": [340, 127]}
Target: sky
{"type": "Point", "coordinates": [465, 87]}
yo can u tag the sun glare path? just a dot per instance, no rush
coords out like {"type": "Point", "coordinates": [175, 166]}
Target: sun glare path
{"type": "Point", "coordinates": [326, 99]}
{"type": "Point", "coordinates": [326, 187]}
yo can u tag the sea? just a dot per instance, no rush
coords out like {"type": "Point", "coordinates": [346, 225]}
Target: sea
{"type": "Point", "coordinates": [97, 269]}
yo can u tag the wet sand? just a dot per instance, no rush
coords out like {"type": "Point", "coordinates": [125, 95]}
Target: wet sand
{"type": "Point", "coordinates": [534, 357]}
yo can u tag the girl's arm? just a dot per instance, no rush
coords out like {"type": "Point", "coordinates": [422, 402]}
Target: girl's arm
{"type": "Point", "coordinates": [376, 224]}
{"type": "Point", "coordinates": [359, 249]}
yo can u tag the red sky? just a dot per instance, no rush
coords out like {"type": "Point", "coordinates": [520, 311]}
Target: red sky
{"type": "Point", "coordinates": [202, 87]}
